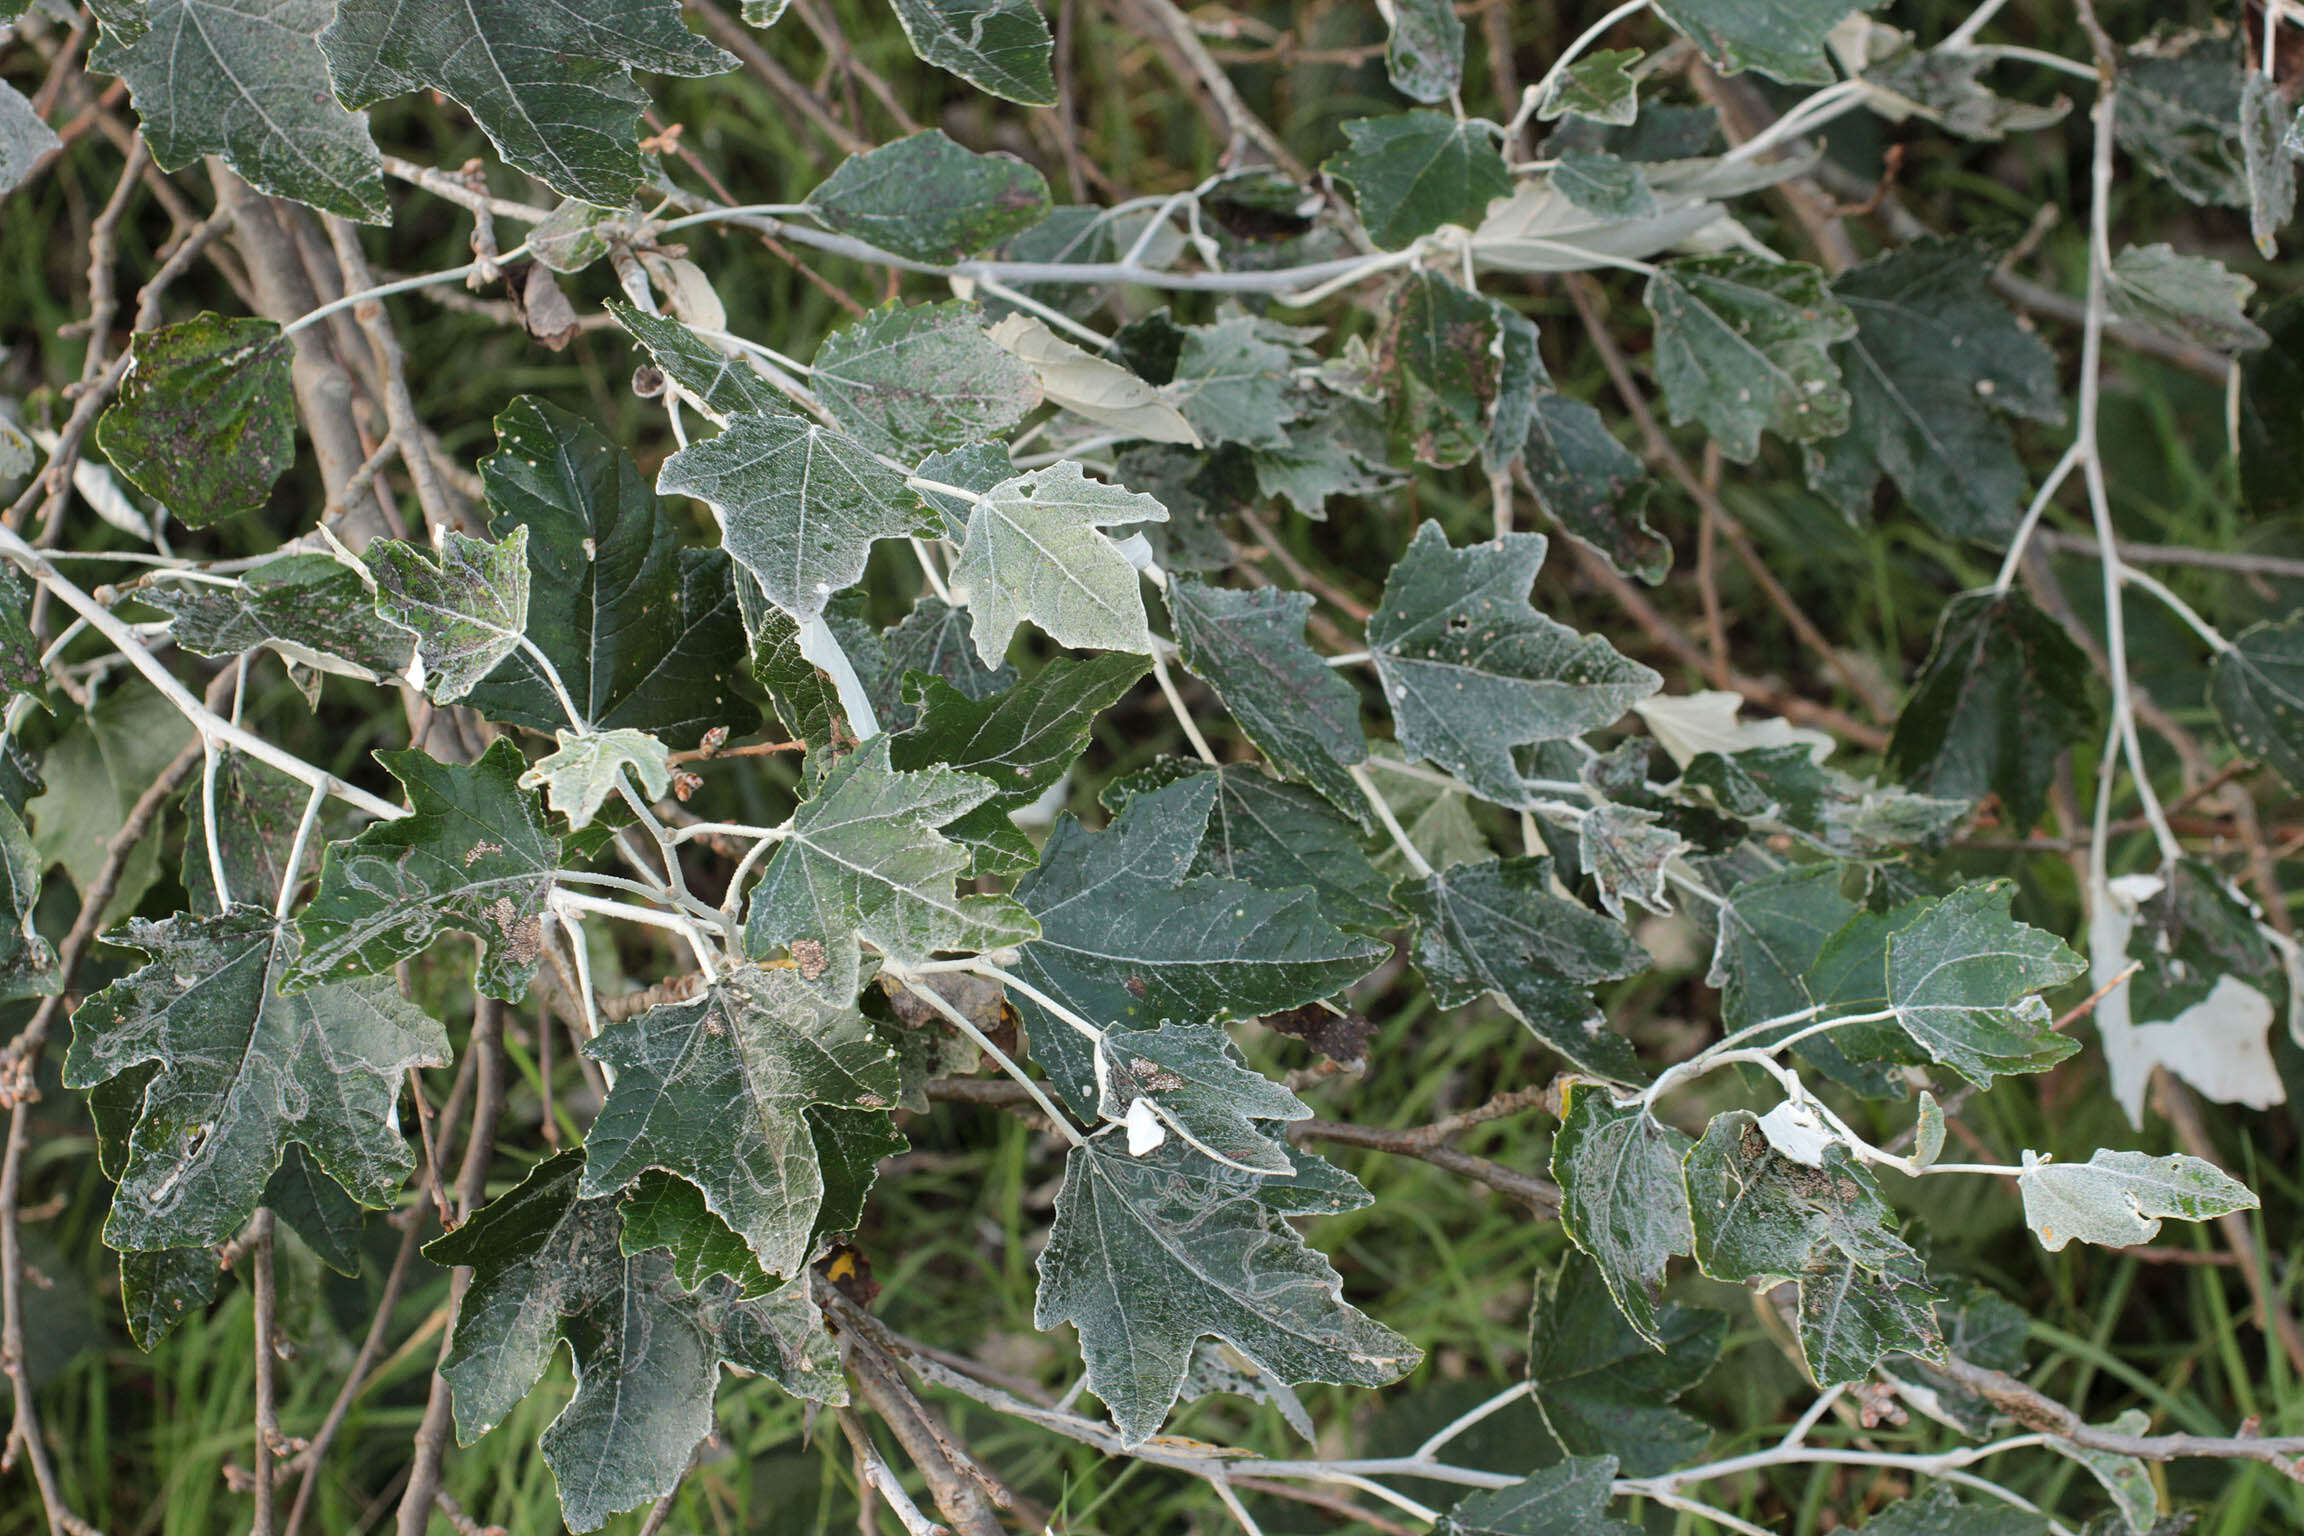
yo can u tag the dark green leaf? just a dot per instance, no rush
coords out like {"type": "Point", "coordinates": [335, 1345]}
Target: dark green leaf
{"type": "Point", "coordinates": [1024, 740]}
{"type": "Point", "coordinates": [547, 1265]}
{"type": "Point", "coordinates": [1604, 185]}
{"type": "Point", "coordinates": [1935, 364]}
{"type": "Point", "coordinates": [1602, 1388]}
{"type": "Point", "coordinates": [1249, 647]}
{"type": "Point", "coordinates": [25, 138]}
{"type": "Point", "coordinates": [1939, 1512]}
{"type": "Point", "coordinates": [1783, 39]}
{"type": "Point", "coordinates": [1598, 87]}
{"type": "Point", "coordinates": [313, 609]}
{"type": "Point", "coordinates": [27, 963]}
{"type": "Point", "coordinates": [1594, 486]}
{"type": "Point", "coordinates": [1496, 927]}
{"type": "Point", "coordinates": [1149, 1255]}
{"type": "Point", "coordinates": [724, 380]}
{"type": "Point", "coordinates": [1760, 1216]}
{"type": "Point", "coordinates": [1277, 836]}
{"type": "Point", "coordinates": [1963, 979]}
{"type": "Point", "coordinates": [96, 772]}
{"type": "Point", "coordinates": [1425, 56]}
{"type": "Point", "coordinates": [1441, 367]}
{"type": "Point", "coordinates": [927, 198]}
{"type": "Point", "coordinates": [1744, 345]}
{"type": "Point", "coordinates": [240, 79]}
{"type": "Point", "coordinates": [1569, 1498]}
{"type": "Point", "coordinates": [1235, 381]}
{"type": "Point", "coordinates": [2195, 297]}
{"type": "Point", "coordinates": [664, 1211]}
{"type": "Point", "coordinates": [1622, 1197]}
{"type": "Point", "coordinates": [244, 1072]}
{"type": "Point", "coordinates": [1412, 173]}
{"type": "Point", "coordinates": [2257, 688]}
{"type": "Point", "coordinates": [1002, 47]}
{"type": "Point", "coordinates": [1471, 671]}
{"type": "Point", "coordinates": [1192, 1078]}
{"type": "Point", "coordinates": [161, 1288]}
{"type": "Point", "coordinates": [258, 809]}
{"type": "Point", "coordinates": [932, 639]}
{"type": "Point", "coordinates": [473, 856]}
{"type": "Point", "coordinates": [643, 633]}
{"type": "Point", "coordinates": [551, 87]}
{"type": "Point", "coordinates": [1129, 941]}
{"type": "Point", "coordinates": [2004, 690]}
{"type": "Point", "coordinates": [205, 420]}
{"type": "Point", "coordinates": [712, 1090]}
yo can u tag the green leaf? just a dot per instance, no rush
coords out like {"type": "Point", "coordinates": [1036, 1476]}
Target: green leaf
{"type": "Point", "coordinates": [327, 1218]}
{"type": "Point", "coordinates": [205, 421]}
{"type": "Point", "coordinates": [2257, 688]}
{"type": "Point", "coordinates": [1472, 671]}
{"type": "Point", "coordinates": [862, 861]}
{"type": "Point", "coordinates": [1760, 1216]}
{"type": "Point", "coordinates": [2125, 1479]}
{"type": "Point", "coordinates": [313, 610]}
{"type": "Point", "coordinates": [1744, 345]}
{"type": "Point", "coordinates": [238, 78]}
{"type": "Point", "coordinates": [2179, 114]}
{"type": "Point", "coordinates": [1235, 381]}
{"type": "Point", "coordinates": [551, 88]}
{"type": "Point", "coordinates": [1032, 551]}
{"type": "Point", "coordinates": [578, 779]}
{"type": "Point", "coordinates": [664, 1211]}
{"type": "Point", "coordinates": [1149, 1255]}
{"type": "Point", "coordinates": [1598, 86]}
{"type": "Point", "coordinates": [1963, 979]}
{"type": "Point", "coordinates": [1604, 185]}
{"type": "Point", "coordinates": [1191, 1078]}
{"type": "Point", "coordinates": [467, 608]}
{"type": "Point", "coordinates": [1001, 47]}
{"type": "Point", "coordinates": [1625, 850]}
{"type": "Point", "coordinates": [1939, 1512]}
{"type": "Point", "coordinates": [1023, 740]}
{"type": "Point", "coordinates": [473, 856]}
{"type": "Point", "coordinates": [1785, 788]}
{"type": "Point", "coordinates": [258, 809]}
{"type": "Point", "coordinates": [1605, 1390]}
{"type": "Point", "coordinates": [2195, 297]}
{"type": "Point", "coordinates": [1249, 647]}
{"type": "Point", "coordinates": [25, 138]}
{"type": "Point", "coordinates": [1338, 449]}
{"type": "Point", "coordinates": [849, 1146]}
{"type": "Point", "coordinates": [1594, 486]}
{"type": "Point", "coordinates": [244, 1071]}
{"type": "Point", "coordinates": [911, 381]}
{"type": "Point", "coordinates": [1412, 173]}
{"type": "Point", "coordinates": [927, 198]}
{"type": "Point", "coordinates": [642, 632]}
{"type": "Point", "coordinates": [20, 649]}
{"type": "Point", "coordinates": [726, 381]}
{"type": "Point", "coordinates": [1130, 940]}
{"type": "Point", "coordinates": [1936, 363]}
{"type": "Point", "coordinates": [1623, 1199]}
{"type": "Point", "coordinates": [1569, 1498]}
{"type": "Point", "coordinates": [2265, 113]}
{"type": "Point", "coordinates": [1278, 836]}
{"type": "Point", "coordinates": [712, 1090]}
{"type": "Point", "coordinates": [1442, 369]}
{"type": "Point", "coordinates": [1496, 927]}
{"type": "Point", "coordinates": [932, 639]}
{"type": "Point", "coordinates": [547, 1264]}
{"type": "Point", "coordinates": [96, 772]}
{"type": "Point", "coordinates": [800, 505]}
{"type": "Point", "coordinates": [1425, 54]}
{"type": "Point", "coordinates": [1782, 39]}
{"type": "Point", "coordinates": [2116, 1199]}
{"type": "Point", "coordinates": [161, 1288]}
{"type": "Point", "coordinates": [27, 963]}
{"type": "Point", "coordinates": [2003, 691]}
{"type": "Point", "coordinates": [1771, 933]}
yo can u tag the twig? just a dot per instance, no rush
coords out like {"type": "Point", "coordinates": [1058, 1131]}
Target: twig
{"type": "Point", "coordinates": [267, 1395]}
{"type": "Point", "coordinates": [2044, 1414]}
{"type": "Point", "coordinates": [442, 507]}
